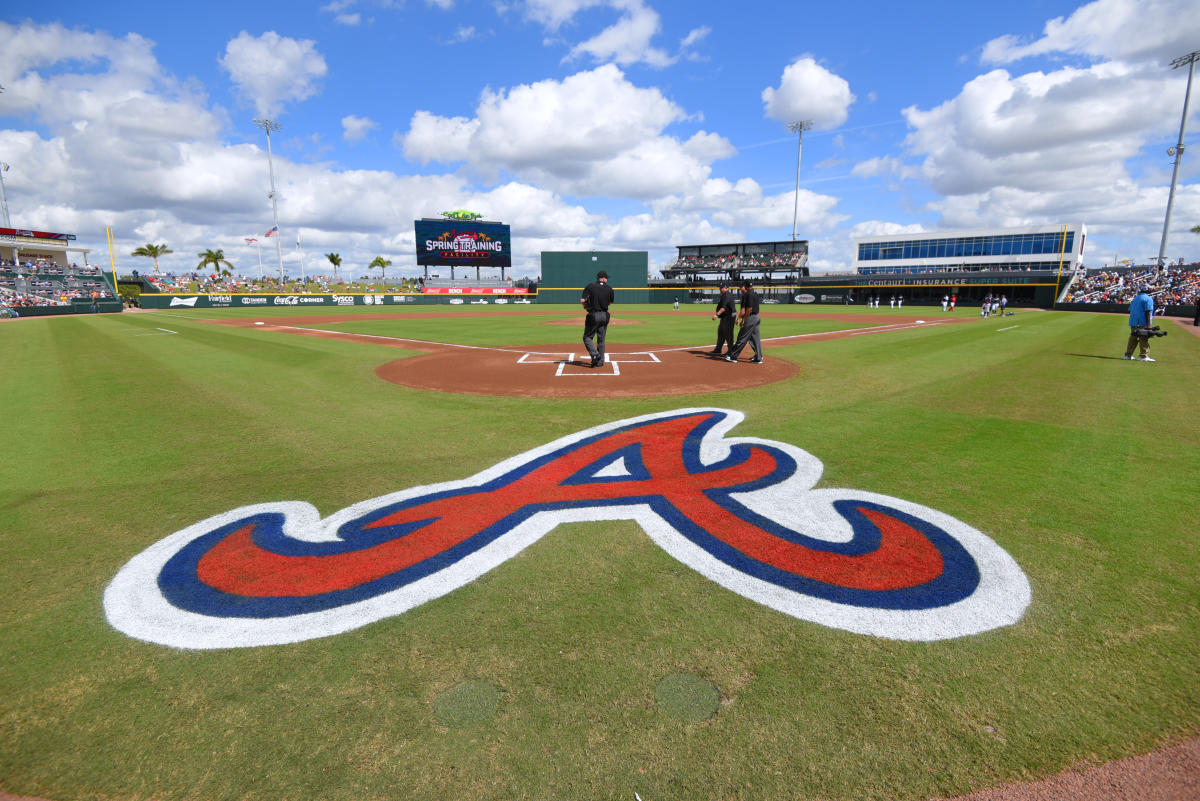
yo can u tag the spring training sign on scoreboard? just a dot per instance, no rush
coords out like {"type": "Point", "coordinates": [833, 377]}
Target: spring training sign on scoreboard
{"type": "Point", "coordinates": [459, 243]}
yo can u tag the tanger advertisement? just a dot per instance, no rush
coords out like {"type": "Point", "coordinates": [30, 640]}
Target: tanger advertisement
{"type": "Point", "coordinates": [458, 243]}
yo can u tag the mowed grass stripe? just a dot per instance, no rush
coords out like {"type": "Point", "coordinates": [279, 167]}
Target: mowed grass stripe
{"type": "Point", "coordinates": [558, 324]}
{"type": "Point", "coordinates": [1082, 467]}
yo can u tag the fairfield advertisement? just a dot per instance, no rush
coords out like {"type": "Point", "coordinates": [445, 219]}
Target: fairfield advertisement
{"type": "Point", "coordinates": [459, 243]}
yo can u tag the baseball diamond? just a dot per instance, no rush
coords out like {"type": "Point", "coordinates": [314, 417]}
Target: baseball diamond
{"type": "Point", "coordinates": [436, 550]}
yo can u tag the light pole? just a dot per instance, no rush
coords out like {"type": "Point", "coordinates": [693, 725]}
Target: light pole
{"type": "Point", "coordinates": [250, 239]}
{"type": "Point", "coordinates": [1177, 151]}
{"type": "Point", "coordinates": [4, 194]}
{"type": "Point", "coordinates": [798, 128]}
{"type": "Point", "coordinates": [3, 191]}
{"type": "Point", "coordinates": [269, 125]}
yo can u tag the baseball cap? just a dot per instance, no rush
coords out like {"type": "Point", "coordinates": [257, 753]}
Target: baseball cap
{"type": "Point", "coordinates": [601, 274]}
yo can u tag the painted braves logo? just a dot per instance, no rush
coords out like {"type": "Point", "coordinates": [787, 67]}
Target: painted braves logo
{"type": "Point", "coordinates": [741, 511]}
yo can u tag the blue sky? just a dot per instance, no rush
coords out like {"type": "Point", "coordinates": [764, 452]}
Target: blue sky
{"type": "Point", "coordinates": [606, 124]}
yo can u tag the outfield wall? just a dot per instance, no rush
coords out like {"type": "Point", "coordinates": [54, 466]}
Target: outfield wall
{"type": "Point", "coordinates": [665, 296]}
{"type": "Point", "coordinates": [474, 296]}
{"type": "Point", "coordinates": [77, 306]}
{"type": "Point", "coordinates": [566, 273]}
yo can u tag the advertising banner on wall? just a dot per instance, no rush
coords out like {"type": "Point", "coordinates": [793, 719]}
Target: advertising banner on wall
{"type": "Point", "coordinates": [211, 301]}
{"type": "Point", "coordinates": [460, 243]}
{"type": "Point", "coordinates": [9, 234]}
{"type": "Point", "coordinates": [476, 290]}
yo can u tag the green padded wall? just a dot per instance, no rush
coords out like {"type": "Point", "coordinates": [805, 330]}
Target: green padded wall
{"type": "Point", "coordinates": [566, 273]}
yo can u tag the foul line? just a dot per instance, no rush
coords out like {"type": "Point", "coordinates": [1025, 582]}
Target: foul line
{"type": "Point", "coordinates": [874, 329]}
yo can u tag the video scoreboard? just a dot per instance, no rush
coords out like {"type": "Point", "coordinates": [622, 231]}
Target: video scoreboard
{"type": "Point", "coordinates": [463, 243]}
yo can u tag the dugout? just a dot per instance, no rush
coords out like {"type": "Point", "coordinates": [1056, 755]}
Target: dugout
{"type": "Point", "coordinates": [566, 273]}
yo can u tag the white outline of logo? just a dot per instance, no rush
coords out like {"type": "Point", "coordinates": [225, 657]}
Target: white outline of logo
{"type": "Point", "coordinates": [135, 605]}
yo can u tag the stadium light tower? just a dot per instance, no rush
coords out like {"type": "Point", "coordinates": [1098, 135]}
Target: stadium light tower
{"type": "Point", "coordinates": [1177, 151]}
{"type": "Point", "coordinates": [269, 125]}
{"type": "Point", "coordinates": [4, 194]}
{"type": "Point", "coordinates": [798, 128]}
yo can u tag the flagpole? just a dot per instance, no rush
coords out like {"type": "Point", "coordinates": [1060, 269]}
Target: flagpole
{"type": "Point", "coordinates": [254, 239]}
{"type": "Point", "coordinates": [301, 252]}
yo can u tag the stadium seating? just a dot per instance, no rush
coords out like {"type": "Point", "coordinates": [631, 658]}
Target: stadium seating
{"type": "Point", "coordinates": [1169, 287]}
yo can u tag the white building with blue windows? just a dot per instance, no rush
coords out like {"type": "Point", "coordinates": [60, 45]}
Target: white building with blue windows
{"type": "Point", "coordinates": [1031, 247]}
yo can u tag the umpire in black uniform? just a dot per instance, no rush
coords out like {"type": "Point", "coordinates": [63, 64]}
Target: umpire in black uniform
{"type": "Point", "coordinates": [597, 297]}
{"type": "Point", "coordinates": [749, 332]}
{"type": "Point", "coordinates": [724, 314]}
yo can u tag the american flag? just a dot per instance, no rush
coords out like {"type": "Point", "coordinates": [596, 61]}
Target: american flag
{"type": "Point", "coordinates": [273, 232]}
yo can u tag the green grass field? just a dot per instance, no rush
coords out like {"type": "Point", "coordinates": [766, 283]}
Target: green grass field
{"type": "Point", "coordinates": [575, 670]}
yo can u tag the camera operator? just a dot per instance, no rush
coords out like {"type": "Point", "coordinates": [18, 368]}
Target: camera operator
{"type": "Point", "coordinates": [1141, 315]}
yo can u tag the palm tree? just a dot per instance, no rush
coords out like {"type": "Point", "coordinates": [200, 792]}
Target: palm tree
{"type": "Point", "coordinates": [382, 264]}
{"type": "Point", "coordinates": [216, 258]}
{"type": "Point", "coordinates": [336, 260]}
{"type": "Point", "coordinates": [152, 251]}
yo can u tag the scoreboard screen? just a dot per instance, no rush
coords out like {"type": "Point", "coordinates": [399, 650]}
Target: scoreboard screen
{"type": "Point", "coordinates": [458, 243]}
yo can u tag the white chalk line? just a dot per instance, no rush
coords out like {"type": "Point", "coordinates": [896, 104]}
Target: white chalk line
{"type": "Point", "coordinates": [165, 332]}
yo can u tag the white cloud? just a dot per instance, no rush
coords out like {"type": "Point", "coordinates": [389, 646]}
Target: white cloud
{"type": "Point", "coordinates": [355, 129]}
{"type": "Point", "coordinates": [834, 252]}
{"type": "Point", "coordinates": [349, 20]}
{"type": "Point", "coordinates": [808, 91]}
{"type": "Point", "coordinates": [883, 165]}
{"type": "Point", "coordinates": [555, 131]}
{"type": "Point", "coordinates": [434, 138]}
{"type": "Point", "coordinates": [709, 147]}
{"type": "Point", "coordinates": [117, 86]}
{"type": "Point", "coordinates": [627, 41]}
{"type": "Point", "coordinates": [465, 33]}
{"type": "Point", "coordinates": [270, 70]}
{"type": "Point", "coordinates": [552, 14]}
{"type": "Point", "coordinates": [549, 134]}
{"type": "Point", "coordinates": [695, 36]}
{"type": "Point", "coordinates": [1069, 128]}
{"type": "Point", "coordinates": [1132, 30]}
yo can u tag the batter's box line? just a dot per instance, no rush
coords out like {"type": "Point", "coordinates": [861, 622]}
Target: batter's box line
{"type": "Point", "coordinates": [613, 360]}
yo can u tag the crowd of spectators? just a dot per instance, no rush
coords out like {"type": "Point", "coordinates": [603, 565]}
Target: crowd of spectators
{"type": "Point", "coordinates": [224, 284]}
{"type": "Point", "coordinates": [751, 262]}
{"type": "Point", "coordinates": [43, 283]}
{"type": "Point", "coordinates": [1169, 286]}
{"type": "Point", "coordinates": [45, 267]}
{"type": "Point", "coordinates": [962, 268]}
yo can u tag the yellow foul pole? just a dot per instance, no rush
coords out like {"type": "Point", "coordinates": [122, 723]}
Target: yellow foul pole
{"type": "Point", "coordinates": [112, 255]}
{"type": "Point", "coordinates": [1062, 249]}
